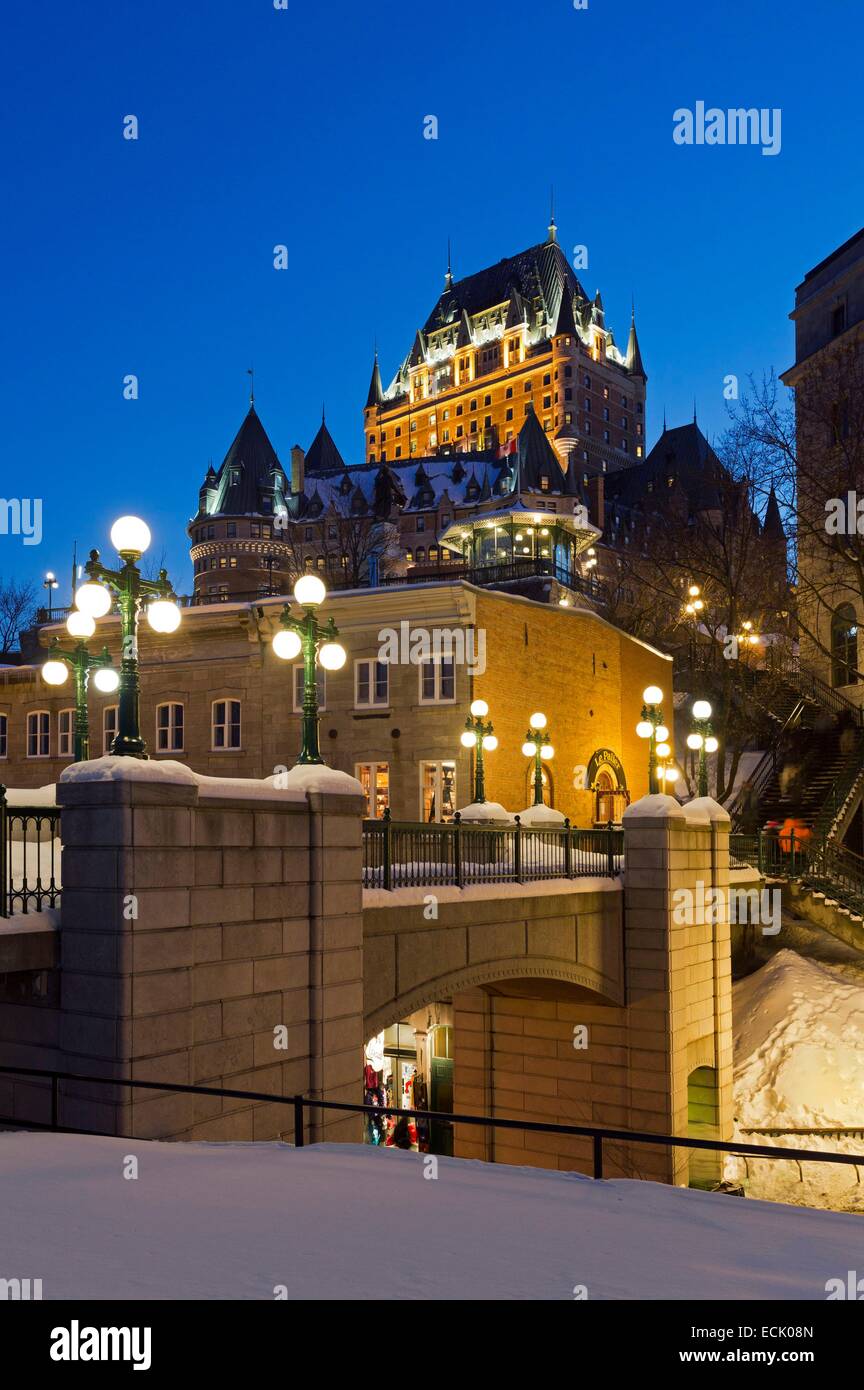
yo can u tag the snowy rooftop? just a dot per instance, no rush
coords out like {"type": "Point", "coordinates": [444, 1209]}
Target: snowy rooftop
{"type": "Point", "coordinates": [337, 1221]}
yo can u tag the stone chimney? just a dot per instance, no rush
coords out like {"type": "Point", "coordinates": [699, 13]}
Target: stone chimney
{"type": "Point", "coordinates": [597, 499]}
{"type": "Point", "coordinates": [298, 459]}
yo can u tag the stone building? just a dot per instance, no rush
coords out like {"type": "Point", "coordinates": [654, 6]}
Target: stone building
{"type": "Point", "coordinates": [828, 380]}
{"type": "Point", "coordinates": [215, 696]}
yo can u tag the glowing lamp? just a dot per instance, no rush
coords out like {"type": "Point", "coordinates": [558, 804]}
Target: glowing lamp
{"type": "Point", "coordinates": [711, 745]}
{"type": "Point", "coordinates": [671, 774]}
{"type": "Point", "coordinates": [694, 740]}
{"type": "Point", "coordinates": [332, 656]}
{"type": "Point", "coordinates": [93, 599]}
{"type": "Point", "coordinates": [661, 733]}
{"type": "Point", "coordinates": [54, 672]}
{"type": "Point", "coordinates": [287, 644]}
{"type": "Point", "coordinates": [529, 749]}
{"type": "Point", "coordinates": [652, 695]}
{"type": "Point", "coordinates": [163, 615]}
{"type": "Point", "coordinates": [490, 742]}
{"type": "Point", "coordinates": [80, 625]}
{"type": "Point", "coordinates": [663, 750]}
{"type": "Point", "coordinates": [547, 752]}
{"type": "Point", "coordinates": [701, 710]}
{"type": "Point", "coordinates": [537, 721]}
{"type": "Point", "coordinates": [468, 739]}
{"type": "Point", "coordinates": [130, 535]}
{"type": "Point", "coordinates": [694, 591]}
{"type": "Point", "coordinates": [644, 729]}
{"type": "Point", "coordinates": [479, 709]}
{"type": "Point", "coordinates": [106, 679]}
{"type": "Point", "coordinates": [309, 591]}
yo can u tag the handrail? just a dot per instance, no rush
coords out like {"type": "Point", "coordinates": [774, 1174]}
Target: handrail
{"type": "Point", "coordinates": [37, 886]}
{"type": "Point", "coordinates": [407, 854]}
{"type": "Point", "coordinates": [599, 1134]}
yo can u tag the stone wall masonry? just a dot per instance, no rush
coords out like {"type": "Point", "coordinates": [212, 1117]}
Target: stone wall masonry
{"type": "Point", "coordinates": [195, 925]}
{"type": "Point", "coordinates": [515, 1055]}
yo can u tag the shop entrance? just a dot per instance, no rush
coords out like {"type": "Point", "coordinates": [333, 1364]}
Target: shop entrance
{"type": "Point", "coordinates": [410, 1065]}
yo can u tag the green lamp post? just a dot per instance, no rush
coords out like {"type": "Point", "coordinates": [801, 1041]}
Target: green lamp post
{"type": "Point", "coordinates": [80, 662]}
{"type": "Point", "coordinates": [538, 745]}
{"type": "Point", "coordinates": [318, 644]}
{"type": "Point", "coordinates": [651, 726]}
{"type": "Point", "coordinates": [130, 537]}
{"type": "Point", "coordinates": [479, 735]}
{"type": "Point", "coordinates": [702, 739]}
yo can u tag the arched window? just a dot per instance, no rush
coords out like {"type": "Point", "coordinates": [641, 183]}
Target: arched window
{"type": "Point", "coordinates": [844, 646]}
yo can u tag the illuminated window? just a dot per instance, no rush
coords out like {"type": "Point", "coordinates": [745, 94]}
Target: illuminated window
{"type": "Point", "coordinates": [374, 778]}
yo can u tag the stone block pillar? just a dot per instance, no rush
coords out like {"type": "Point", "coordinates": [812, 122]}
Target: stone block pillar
{"type": "Point", "coordinates": [678, 979]}
{"type": "Point", "coordinates": [211, 934]}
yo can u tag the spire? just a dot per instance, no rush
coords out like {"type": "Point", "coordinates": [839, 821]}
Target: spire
{"type": "Point", "coordinates": [448, 278]}
{"type": "Point", "coordinates": [565, 323]}
{"type": "Point", "coordinates": [250, 372]}
{"type": "Point", "coordinates": [634, 356]}
{"type": "Point", "coordinates": [694, 410]}
{"type": "Point", "coordinates": [772, 526]}
{"type": "Point", "coordinates": [553, 225]}
{"type": "Point", "coordinates": [376, 390]}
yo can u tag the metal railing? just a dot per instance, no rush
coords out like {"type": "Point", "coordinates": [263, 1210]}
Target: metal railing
{"type": "Point", "coordinates": [598, 1134]}
{"type": "Point", "coordinates": [503, 572]}
{"type": "Point", "coordinates": [403, 854]}
{"type": "Point", "coordinates": [29, 857]}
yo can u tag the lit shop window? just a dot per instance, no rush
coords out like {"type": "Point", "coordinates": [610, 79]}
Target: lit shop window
{"type": "Point", "coordinates": [374, 778]}
{"type": "Point", "coordinates": [437, 791]}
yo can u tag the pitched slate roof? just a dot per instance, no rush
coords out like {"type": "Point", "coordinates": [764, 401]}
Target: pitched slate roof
{"type": "Point", "coordinates": [682, 454]}
{"type": "Point", "coordinates": [323, 455]}
{"type": "Point", "coordinates": [249, 472]}
{"type": "Point", "coordinates": [537, 274]}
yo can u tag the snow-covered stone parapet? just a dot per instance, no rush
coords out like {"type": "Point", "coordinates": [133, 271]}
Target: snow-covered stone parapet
{"type": "Point", "coordinates": [541, 816]}
{"type": "Point", "coordinates": [294, 784]}
{"type": "Point", "coordinates": [485, 813]}
{"type": "Point", "coordinates": [657, 807]}
{"type": "Point", "coordinates": [707, 809]}
{"type": "Point", "coordinates": [32, 796]}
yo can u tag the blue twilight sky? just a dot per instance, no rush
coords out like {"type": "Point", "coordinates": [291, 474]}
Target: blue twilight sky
{"type": "Point", "coordinates": [304, 126]}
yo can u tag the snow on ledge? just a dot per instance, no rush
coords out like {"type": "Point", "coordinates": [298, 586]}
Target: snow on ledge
{"type": "Point", "coordinates": [293, 785]}
{"type": "Point", "coordinates": [32, 796]}
{"type": "Point", "coordinates": [486, 811]}
{"type": "Point", "coordinates": [706, 808]}
{"type": "Point", "coordinates": [477, 892]}
{"type": "Point", "coordinates": [658, 806]}
{"type": "Point", "coordinates": [541, 815]}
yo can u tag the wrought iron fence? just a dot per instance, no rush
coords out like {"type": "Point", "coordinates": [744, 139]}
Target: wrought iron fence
{"type": "Point", "coordinates": [408, 854]}
{"type": "Point", "coordinates": [29, 857]}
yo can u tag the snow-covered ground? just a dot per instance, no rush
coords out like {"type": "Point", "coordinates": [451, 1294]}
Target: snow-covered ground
{"type": "Point", "coordinates": [799, 1064]}
{"type": "Point", "coordinates": [237, 1221]}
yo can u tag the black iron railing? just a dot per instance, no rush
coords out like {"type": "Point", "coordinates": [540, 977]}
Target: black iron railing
{"type": "Point", "coordinates": [503, 573]}
{"type": "Point", "coordinates": [29, 857]}
{"type": "Point", "coordinates": [403, 854]}
{"type": "Point", "coordinates": [599, 1135]}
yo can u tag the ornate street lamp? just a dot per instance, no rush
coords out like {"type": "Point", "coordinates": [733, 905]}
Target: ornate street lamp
{"type": "Point", "coordinates": [479, 735]}
{"type": "Point", "coordinates": [538, 745]}
{"type": "Point", "coordinates": [130, 537]}
{"type": "Point", "coordinates": [318, 645]}
{"type": "Point", "coordinates": [702, 739]}
{"type": "Point", "coordinates": [50, 583]}
{"type": "Point", "coordinates": [651, 726]}
{"type": "Point", "coordinates": [81, 662]}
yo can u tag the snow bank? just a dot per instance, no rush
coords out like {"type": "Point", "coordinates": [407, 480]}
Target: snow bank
{"type": "Point", "coordinates": [486, 812]}
{"type": "Point", "coordinates": [799, 1064]}
{"type": "Point", "coordinates": [339, 1221]}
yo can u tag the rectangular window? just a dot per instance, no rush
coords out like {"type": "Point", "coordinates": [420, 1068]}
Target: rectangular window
{"type": "Point", "coordinates": [225, 725]}
{"type": "Point", "coordinates": [437, 791]}
{"type": "Point", "coordinates": [66, 733]}
{"type": "Point", "coordinates": [371, 684]}
{"type": "Point", "coordinates": [437, 681]}
{"type": "Point", "coordinates": [109, 727]}
{"type": "Point", "coordinates": [300, 686]}
{"type": "Point", "coordinates": [169, 727]}
{"type": "Point", "coordinates": [38, 734]}
{"type": "Point", "coordinates": [374, 778]}
{"type": "Point", "coordinates": [4, 735]}
{"type": "Point", "coordinates": [231, 529]}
